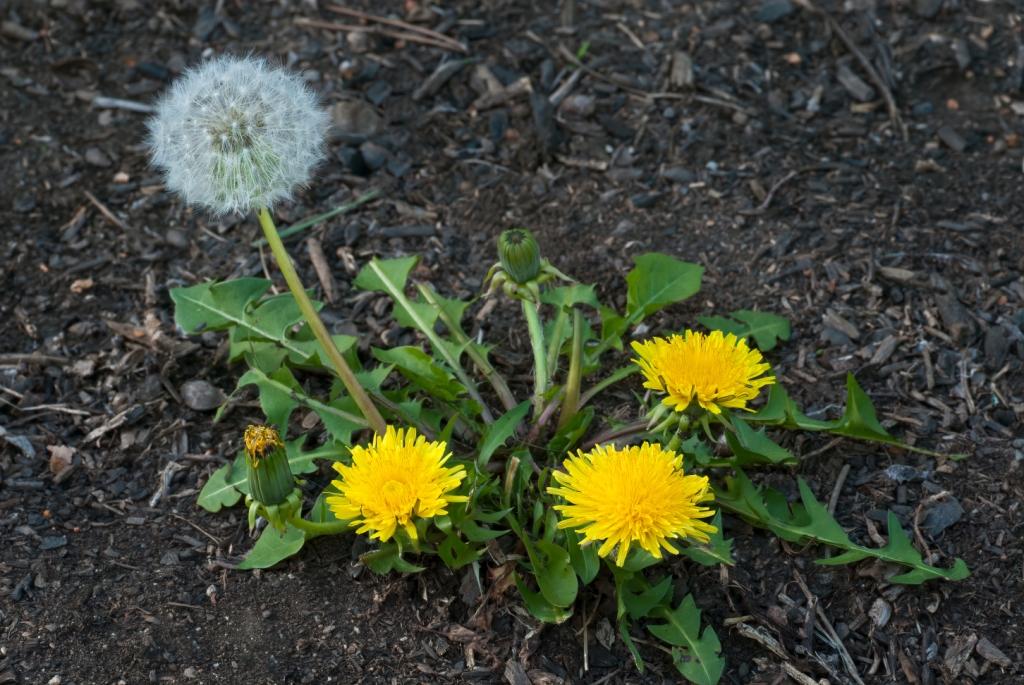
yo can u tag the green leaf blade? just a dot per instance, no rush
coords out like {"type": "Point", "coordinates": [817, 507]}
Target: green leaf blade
{"type": "Point", "coordinates": [273, 547]}
{"type": "Point", "coordinates": [500, 431]}
{"type": "Point", "coordinates": [658, 280]}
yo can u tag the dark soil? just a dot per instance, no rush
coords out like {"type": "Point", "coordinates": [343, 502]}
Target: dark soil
{"type": "Point", "coordinates": [780, 169]}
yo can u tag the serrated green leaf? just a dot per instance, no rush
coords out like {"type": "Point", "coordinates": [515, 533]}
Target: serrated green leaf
{"type": "Point", "coordinates": [764, 327]}
{"type": "Point", "coordinates": [421, 370]}
{"type": "Point", "coordinates": [566, 296]}
{"type": "Point", "coordinates": [413, 313]}
{"type": "Point", "coordinates": [859, 419]}
{"type": "Point", "coordinates": [780, 410]}
{"type": "Point", "coordinates": [219, 306]}
{"type": "Point", "coordinates": [695, 447]}
{"type": "Point", "coordinates": [639, 598]}
{"type": "Point", "coordinates": [273, 547]}
{"type": "Point", "coordinates": [540, 608]}
{"type": "Point", "coordinates": [388, 558]}
{"type": "Point", "coordinates": [550, 567]}
{"type": "Point", "coordinates": [215, 306]}
{"type": "Point", "coordinates": [613, 327]}
{"type": "Point", "coordinates": [280, 393]}
{"type": "Point", "coordinates": [455, 553]}
{"type": "Point", "coordinates": [718, 550]}
{"type": "Point", "coordinates": [810, 521]}
{"type": "Point", "coordinates": [627, 640]}
{"type": "Point", "coordinates": [571, 433]}
{"type": "Point", "coordinates": [219, 492]}
{"type": "Point", "coordinates": [752, 446]}
{"type": "Point", "coordinates": [500, 431]}
{"type": "Point", "coordinates": [658, 280]}
{"type": "Point", "coordinates": [555, 577]}
{"type": "Point", "coordinates": [396, 270]}
{"type": "Point", "coordinates": [584, 559]}
{"type": "Point", "coordinates": [697, 654]}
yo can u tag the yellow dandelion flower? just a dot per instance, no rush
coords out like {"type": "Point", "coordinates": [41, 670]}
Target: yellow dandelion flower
{"type": "Point", "coordinates": [715, 369]}
{"type": "Point", "coordinates": [633, 495]}
{"type": "Point", "coordinates": [398, 477]}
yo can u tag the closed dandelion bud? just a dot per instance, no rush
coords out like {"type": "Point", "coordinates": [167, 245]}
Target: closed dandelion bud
{"type": "Point", "coordinates": [519, 255]}
{"type": "Point", "coordinates": [237, 134]}
{"type": "Point", "coordinates": [270, 477]}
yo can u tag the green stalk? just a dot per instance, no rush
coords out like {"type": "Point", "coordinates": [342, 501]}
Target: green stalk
{"type": "Point", "coordinates": [540, 367]}
{"type": "Point", "coordinates": [438, 345]}
{"type": "Point", "coordinates": [314, 529]}
{"type": "Point", "coordinates": [611, 379]}
{"type": "Point", "coordinates": [348, 379]}
{"type": "Point", "coordinates": [556, 338]}
{"type": "Point", "coordinates": [570, 405]}
{"type": "Point", "coordinates": [496, 380]}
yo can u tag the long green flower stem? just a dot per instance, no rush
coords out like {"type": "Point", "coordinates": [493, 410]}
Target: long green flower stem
{"type": "Point", "coordinates": [570, 405]}
{"type": "Point", "coordinates": [314, 529]}
{"type": "Point", "coordinates": [496, 380]}
{"type": "Point", "coordinates": [284, 262]}
{"type": "Point", "coordinates": [540, 362]}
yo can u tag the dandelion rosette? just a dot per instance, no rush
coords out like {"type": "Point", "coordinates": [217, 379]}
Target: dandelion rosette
{"type": "Point", "coordinates": [717, 370]}
{"type": "Point", "coordinates": [636, 495]}
{"type": "Point", "coordinates": [236, 134]}
{"type": "Point", "coordinates": [397, 478]}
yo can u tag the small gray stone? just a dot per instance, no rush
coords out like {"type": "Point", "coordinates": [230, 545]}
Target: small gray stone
{"type": "Point", "coordinates": [941, 515]}
{"type": "Point", "coordinates": [96, 157]}
{"type": "Point", "coordinates": [854, 84]}
{"type": "Point", "coordinates": [177, 237]}
{"type": "Point", "coordinates": [952, 139]}
{"type": "Point", "coordinates": [927, 8]}
{"type": "Point", "coordinates": [375, 156]}
{"type": "Point", "coordinates": [52, 542]}
{"type": "Point", "coordinates": [201, 395]}
{"type": "Point", "coordinates": [997, 346]}
{"type": "Point", "coordinates": [355, 121]}
{"type": "Point", "coordinates": [773, 10]}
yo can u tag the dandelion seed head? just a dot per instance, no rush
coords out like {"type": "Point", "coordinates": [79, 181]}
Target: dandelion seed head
{"type": "Point", "coordinates": [236, 134]}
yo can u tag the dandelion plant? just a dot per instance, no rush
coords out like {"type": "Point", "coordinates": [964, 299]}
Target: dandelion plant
{"type": "Point", "coordinates": [474, 478]}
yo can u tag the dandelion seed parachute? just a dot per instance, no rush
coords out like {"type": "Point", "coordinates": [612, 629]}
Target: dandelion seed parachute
{"type": "Point", "coordinates": [236, 134]}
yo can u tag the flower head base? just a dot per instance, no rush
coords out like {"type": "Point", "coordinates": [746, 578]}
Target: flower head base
{"type": "Point", "coordinates": [237, 134]}
{"type": "Point", "coordinates": [397, 478]}
{"type": "Point", "coordinates": [718, 371]}
{"type": "Point", "coordinates": [633, 495]}
{"type": "Point", "coordinates": [272, 491]}
{"type": "Point", "coordinates": [519, 255]}
{"type": "Point", "coordinates": [520, 271]}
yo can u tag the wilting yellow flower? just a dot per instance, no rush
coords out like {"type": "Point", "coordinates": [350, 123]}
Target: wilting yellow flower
{"type": "Point", "coordinates": [715, 369]}
{"type": "Point", "coordinates": [260, 441]}
{"type": "Point", "coordinates": [397, 478]}
{"type": "Point", "coordinates": [633, 495]}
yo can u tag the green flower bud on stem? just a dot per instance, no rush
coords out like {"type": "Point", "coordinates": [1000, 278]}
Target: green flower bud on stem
{"type": "Point", "coordinates": [519, 255]}
{"type": "Point", "coordinates": [270, 477]}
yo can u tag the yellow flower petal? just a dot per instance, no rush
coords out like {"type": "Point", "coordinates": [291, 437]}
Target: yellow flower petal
{"type": "Point", "coordinates": [396, 479]}
{"type": "Point", "coordinates": [636, 494]}
{"type": "Point", "coordinates": [717, 370]}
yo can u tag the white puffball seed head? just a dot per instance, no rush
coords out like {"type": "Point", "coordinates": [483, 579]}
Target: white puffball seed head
{"type": "Point", "coordinates": [236, 134]}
